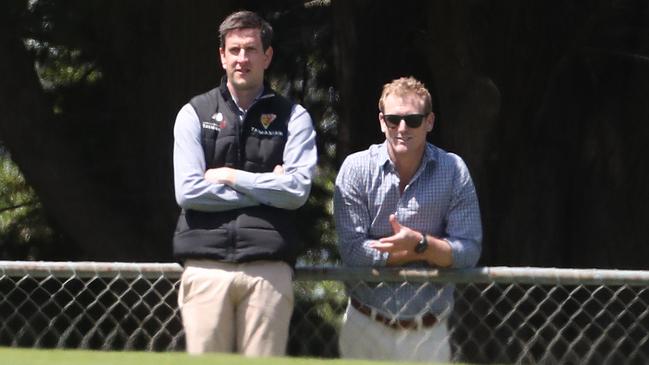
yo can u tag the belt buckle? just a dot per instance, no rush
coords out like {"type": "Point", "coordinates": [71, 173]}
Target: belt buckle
{"type": "Point", "coordinates": [373, 314]}
{"type": "Point", "coordinates": [419, 321]}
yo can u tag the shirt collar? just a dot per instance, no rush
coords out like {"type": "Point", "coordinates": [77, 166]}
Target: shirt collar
{"type": "Point", "coordinates": [265, 92]}
{"type": "Point", "coordinates": [243, 111]}
{"type": "Point", "coordinates": [430, 155]}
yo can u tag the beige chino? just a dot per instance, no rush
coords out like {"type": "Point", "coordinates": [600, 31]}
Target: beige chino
{"type": "Point", "coordinates": [243, 308]}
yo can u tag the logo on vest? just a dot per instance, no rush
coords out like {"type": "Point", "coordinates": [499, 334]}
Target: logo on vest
{"type": "Point", "coordinates": [264, 132]}
{"type": "Point", "coordinates": [216, 122]}
{"type": "Point", "coordinates": [266, 119]}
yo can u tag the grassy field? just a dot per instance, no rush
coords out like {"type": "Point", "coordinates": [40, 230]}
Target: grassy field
{"type": "Point", "coordinates": [12, 356]}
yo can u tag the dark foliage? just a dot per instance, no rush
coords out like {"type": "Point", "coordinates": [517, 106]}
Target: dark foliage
{"type": "Point", "coordinates": [544, 100]}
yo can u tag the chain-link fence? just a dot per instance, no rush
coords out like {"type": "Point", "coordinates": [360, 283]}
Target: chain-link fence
{"type": "Point", "coordinates": [501, 315]}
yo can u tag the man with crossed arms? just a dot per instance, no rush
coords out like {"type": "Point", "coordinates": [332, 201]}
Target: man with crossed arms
{"type": "Point", "coordinates": [244, 158]}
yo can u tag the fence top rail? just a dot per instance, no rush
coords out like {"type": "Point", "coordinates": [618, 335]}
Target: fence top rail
{"type": "Point", "coordinates": [520, 275]}
{"type": "Point", "coordinates": [89, 269]}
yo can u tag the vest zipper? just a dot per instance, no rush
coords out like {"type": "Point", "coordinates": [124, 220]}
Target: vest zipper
{"type": "Point", "coordinates": [232, 232]}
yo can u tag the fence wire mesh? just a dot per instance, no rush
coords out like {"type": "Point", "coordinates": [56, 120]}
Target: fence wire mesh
{"type": "Point", "coordinates": [501, 315]}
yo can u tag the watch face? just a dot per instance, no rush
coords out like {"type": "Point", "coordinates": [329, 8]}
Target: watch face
{"type": "Point", "coordinates": [421, 247]}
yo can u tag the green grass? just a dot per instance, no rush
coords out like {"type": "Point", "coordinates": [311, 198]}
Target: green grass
{"type": "Point", "coordinates": [13, 356]}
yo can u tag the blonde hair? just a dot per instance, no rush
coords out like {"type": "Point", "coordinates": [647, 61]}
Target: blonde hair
{"type": "Point", "coordinates": [407, 85]}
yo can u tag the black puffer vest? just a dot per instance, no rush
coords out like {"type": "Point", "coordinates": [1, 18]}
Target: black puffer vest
{"type": "Point", "coordinates": [256, 145]}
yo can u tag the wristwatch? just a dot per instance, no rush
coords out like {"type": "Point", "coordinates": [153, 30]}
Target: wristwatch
{"type": "Point", "coordinates": [422, 245]}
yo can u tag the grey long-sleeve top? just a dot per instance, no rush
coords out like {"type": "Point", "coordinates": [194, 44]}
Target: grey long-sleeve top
{"type": "Point", "coordinates": [288, 191]}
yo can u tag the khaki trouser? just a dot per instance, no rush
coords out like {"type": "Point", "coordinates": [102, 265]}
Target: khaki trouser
{"type": "Point", "coordinates": [243, 308]}
{"type": "Point", "coordinates": [361, 337]}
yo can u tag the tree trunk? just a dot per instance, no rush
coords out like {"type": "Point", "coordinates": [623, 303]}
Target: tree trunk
{"type": "Point", "coordinates": [112, 188]}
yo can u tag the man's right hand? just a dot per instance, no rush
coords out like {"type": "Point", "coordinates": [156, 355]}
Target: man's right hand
{"type": "Point", "coordinates": [401, 245]}
{"type": "Point", "coordinates": [221, 175]}
{"type": "Point", "coordinates": [278, 170]}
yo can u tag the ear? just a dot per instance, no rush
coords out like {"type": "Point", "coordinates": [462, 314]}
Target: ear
{"type": "Point", "coordinates": [222, 54]}
{"type": "Point", "coordinates": [430, 121]}
{"type": "Point", "coordinates": [381, 123]}
{"type": "Point", "coordinates": [269, 56]}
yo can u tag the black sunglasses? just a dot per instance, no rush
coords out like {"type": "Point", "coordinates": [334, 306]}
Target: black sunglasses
{"type": "Point", "coordinates": [412, 120]}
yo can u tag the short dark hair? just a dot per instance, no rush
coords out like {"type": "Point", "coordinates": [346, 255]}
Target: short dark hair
{"type": "Point", "coordinates": [246, 19]}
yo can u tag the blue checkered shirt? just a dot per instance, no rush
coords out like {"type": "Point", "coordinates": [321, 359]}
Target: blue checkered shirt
{"type": "Point", "coordinates": [440, 200]}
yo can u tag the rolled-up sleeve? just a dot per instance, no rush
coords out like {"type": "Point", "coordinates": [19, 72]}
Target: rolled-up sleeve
{"type": "Point", "coordinates": [352, 216]}
{"type": "Point", "coordinates": [464, 226]}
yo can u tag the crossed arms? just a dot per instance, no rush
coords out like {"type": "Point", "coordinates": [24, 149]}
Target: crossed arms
{"type": "Point", "coordinates": [224, 189]}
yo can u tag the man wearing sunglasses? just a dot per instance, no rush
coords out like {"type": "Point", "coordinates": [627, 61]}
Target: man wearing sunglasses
{"type": "Point", "coordinates": [404, 203]}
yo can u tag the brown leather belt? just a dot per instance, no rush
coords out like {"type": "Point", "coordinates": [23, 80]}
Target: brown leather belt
{"type": "Point", "coordinates": [428, 320]}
